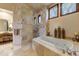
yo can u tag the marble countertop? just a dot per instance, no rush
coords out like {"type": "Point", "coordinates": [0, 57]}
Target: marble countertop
{"type": "Point", "coordinates": [6, 32]}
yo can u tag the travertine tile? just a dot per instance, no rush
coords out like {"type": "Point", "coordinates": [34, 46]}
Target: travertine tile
{"type": "Point", "coordinates": [7, 50]}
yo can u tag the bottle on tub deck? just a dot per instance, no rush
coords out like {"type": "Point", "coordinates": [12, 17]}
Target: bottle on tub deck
{"type": "Point", "coordinates": [59, 32]}
{"type": "Point", "coordinates": [55, 32]}
{"type": "Point", "coordinates": [77, 36]}
{"type": "Point", "coordinates": [63, 34]}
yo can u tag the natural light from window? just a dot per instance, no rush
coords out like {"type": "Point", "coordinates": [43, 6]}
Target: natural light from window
{"type": "Point", "coordinates": [68, 8]}
{"type": "Point", "coordinates": [39, 19]}
{"type": "Point", "coordinates": [53, 12]}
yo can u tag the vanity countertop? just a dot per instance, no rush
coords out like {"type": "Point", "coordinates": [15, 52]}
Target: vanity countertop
{"type": "Point", "coordinates": [6, 32]}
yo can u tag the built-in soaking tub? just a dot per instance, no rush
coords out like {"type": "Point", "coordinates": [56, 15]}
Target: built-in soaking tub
{"type": "Point", "coordinates": [60, 46]}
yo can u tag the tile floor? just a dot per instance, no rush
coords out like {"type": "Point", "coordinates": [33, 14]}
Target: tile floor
{"type": "Point", "coordinates": [8, 50]}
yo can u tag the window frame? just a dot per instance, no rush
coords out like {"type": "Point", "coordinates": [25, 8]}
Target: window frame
{"type": "Point", "coordinates": [51, 8]}
{"type": "Point", "coordinates": [77, 10]}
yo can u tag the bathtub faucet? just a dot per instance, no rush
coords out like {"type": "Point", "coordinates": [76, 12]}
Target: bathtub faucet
{"type": "Point", "coordinates": [70, 52]}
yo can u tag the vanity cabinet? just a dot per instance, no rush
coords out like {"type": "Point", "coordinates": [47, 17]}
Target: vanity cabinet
{"type": "Point", "coordinates": [39, 49]}
{"type": "Point", "coordinates": [43, 51]}
{"type": "Point", "coordinates": [6, 36]}
{"type": "Point", "coordinates": [48, 52]}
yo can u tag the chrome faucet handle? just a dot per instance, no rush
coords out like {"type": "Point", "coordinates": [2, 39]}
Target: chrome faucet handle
{"type": "Point", "coordinates": [69, 51]}
{"type": "Point", "coordinates": [72, 53]}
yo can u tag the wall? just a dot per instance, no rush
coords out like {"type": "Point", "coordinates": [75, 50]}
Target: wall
{"type": "Point", "coordinates": [23, 20]}
{"type": "Point", "coordinates": [69, 22]}
{"type": "Point", "coordinates": [27, 29]}
{"type": "Point", "coordinates": [42, 25]}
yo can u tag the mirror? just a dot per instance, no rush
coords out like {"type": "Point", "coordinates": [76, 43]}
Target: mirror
{"type": "Point", "coordinates": [3, 25]}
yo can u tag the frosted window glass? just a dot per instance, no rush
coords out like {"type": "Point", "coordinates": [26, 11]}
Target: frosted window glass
{"type": "Point", "coordinates": [68, 8]}
{"type": "Point", "coordinates": [46, 15]}
{"type": "Point", "coordinates": [53, 12]}
{"type": "Point", "coordinates": [39, 19]}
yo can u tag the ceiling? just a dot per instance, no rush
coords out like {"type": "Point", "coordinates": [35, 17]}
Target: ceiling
{"type": "Point", "coordinates": [38, 6]}
{"type": "Point", "coordinates": [8, 6]}
{"type": "Point", "coordinates": [33, 6]}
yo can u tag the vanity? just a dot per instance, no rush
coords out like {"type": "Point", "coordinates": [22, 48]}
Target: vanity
{"type": "Point", "coordinates": [49, 46]}
{"type": "Point", "coordinates": [5, 36]}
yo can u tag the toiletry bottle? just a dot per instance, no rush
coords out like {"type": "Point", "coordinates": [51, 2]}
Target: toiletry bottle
{"type": "Point", "coordinates": [59, 32]}
{"type": "Point", "coordinates": [63, 33]}
{"type": "Point", "coordinates": [77, 37]}
{"type": "Point", "coordinates": [55, 33]}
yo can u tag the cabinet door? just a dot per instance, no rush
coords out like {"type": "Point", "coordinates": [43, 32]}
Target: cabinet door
{"type": "Point", "coordinates": [48, 52]}
{"type": "Point", "coordinates": [43, 51]}
{"type": "Point", "coordinates": [39, 50]}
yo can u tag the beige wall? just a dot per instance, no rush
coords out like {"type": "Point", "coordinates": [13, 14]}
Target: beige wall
{"type": "Point", "coordinates": [23, 16]}
{"type": "Point", "coordinates": [42, 25]}
{"type": "Point", "coordinates": [69, 22]}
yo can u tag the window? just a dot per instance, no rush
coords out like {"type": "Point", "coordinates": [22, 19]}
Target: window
{"type": "Point", "coordinates": [53, 11]}
{"type": "Point", "coordinates": [46, 15]}
{"type": "Point", "coordinates": [68, 8]}
{"type": "Point", "coordinates": [39, 19]}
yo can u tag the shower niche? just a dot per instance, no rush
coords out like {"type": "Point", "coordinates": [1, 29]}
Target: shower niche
{"type": "Point", "coordinates": [16, 31]}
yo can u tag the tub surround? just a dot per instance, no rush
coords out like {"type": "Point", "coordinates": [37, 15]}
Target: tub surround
{"type": "Point", "coordinates": [53, 46]}
{"type": "Point", "coordinates": [69, 23]}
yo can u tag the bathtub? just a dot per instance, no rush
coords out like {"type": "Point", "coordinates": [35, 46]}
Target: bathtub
{"type": "Point", "coordinates": [54, 44]}
{"type": "Point", "coordinates": [58, 43]}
